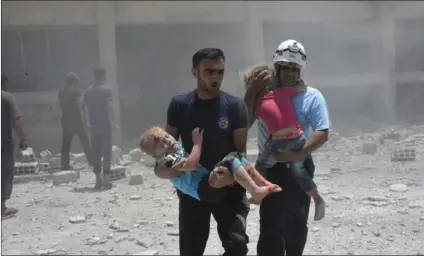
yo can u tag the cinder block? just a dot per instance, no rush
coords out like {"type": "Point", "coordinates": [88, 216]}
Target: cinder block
{"type": "Point", "coordinates": [403, 155]}
{"type": "Point", "coordinates": [25, 168]}
{"type": "Point", "coordinates": [55, 162]}
{"type": "Point", "coordinates": [30, 178]}
{"type": "Point", "coordinates": [65, 177]}
{"type": "Point", "coordinates": [28, 155]}
{"type": "Point", "coordinates": [44, 167]}
{"type": "Point", "coordinates": [118, 172]}
{"type": "Point", "coordinates": [136, 179]}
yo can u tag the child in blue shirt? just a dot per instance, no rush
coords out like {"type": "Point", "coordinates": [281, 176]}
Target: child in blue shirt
{"type": "Point", "coordinates": [167, 152]}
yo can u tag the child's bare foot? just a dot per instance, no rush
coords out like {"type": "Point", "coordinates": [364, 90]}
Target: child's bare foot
{"type": "Point", "coordinates": [262, 192]}
{"type": "Point", "coordinates": [319, 208]}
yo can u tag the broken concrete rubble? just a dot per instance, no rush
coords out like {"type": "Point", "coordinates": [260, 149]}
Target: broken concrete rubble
{"type": "Point", "coordinates": [136, 154]}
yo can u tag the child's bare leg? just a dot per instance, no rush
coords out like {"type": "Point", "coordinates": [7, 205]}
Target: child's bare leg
{"type": "Point", "coordinates": [258, 192]}
{"type": "Point", "coordinates": [319, 204]}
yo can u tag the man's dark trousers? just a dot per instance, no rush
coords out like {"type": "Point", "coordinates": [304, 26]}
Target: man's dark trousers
{"type": "Point", "coordinates": [230, 214]}
{"type": "Point", "coordinates": [68, 134]}
{"type": "Point", "coordinates": [284, 215]}
{"type": "Point", "coordinates": [101, 142]}
{"type": "Point", "coordinates": [7, 168]}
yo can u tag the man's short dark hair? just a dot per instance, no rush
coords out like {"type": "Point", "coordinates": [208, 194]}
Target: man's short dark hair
{"type": "Point", "coordinates": [99, 73]}
{"type": "Point", "coordinates": [207, 54]}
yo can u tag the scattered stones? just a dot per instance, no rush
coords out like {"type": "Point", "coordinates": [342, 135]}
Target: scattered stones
{"type": "Point", "coordinates": [146, 242]}
{"type": "Point", "coordinates": [135, 197]}
{"type": "Point", "coordinates": [77, 219]}
{"type": "Point", "coordinates": [359, 224]}
{"type": "Point", "coordinates": [398, 188]}
{"type": "Point", "coordinates": [169, 223]}
{"type": "Point", "coordinates": [136, 179]}
{"type": "Point", "coordinates": [94, 240]}
{"type": "Point", "coordinates": [114, 225]}
{"type": "Point", "coordinates": [314, 229]}
{"type": "Point", "coordinates": [118, 172]}
{"type": "Point", "coordinates": [377, 198]}
{"type": "Point", "coordinates": [376, 233]}
{"type": "Point", "coordinates": [78, 158]}
{"type": "Point", "coordinates": [136, 155]}
{"type": "Point", "coordinates": [65, 177]}
{"type": "Point", "coordinates": [369, 148]}
{"type": "Point", "coordinates": [335, 225]}
{"type": "Point", "coordinates": [174, 233]}
{"type": "Point", "coordinates": [422, 218]}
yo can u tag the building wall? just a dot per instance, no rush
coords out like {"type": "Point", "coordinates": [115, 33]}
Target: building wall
{"type": "Point", "coordinates": [263, 25]}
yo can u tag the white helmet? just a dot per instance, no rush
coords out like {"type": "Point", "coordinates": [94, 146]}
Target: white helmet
{"type": "Point", "coordinates": [290, 51]}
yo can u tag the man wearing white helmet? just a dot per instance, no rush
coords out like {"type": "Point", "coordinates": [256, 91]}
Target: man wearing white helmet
{"type": "Point", "coordinates": [284, 215]}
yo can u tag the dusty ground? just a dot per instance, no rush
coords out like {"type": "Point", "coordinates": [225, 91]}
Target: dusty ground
{"type": "Point", "coordinates": [363, 216]}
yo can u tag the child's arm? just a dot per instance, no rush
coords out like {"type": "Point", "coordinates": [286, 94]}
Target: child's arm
{"type": "Point", "coordinates": [190, 163]}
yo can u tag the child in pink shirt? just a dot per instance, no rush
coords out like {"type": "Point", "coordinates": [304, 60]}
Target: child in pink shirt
{"type": "Point", "coordinates": [274, 107]}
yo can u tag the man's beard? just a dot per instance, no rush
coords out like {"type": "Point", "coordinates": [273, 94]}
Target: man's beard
{"type": "Point", "coordinates": [288, 81]}
{"type": "Point", "coordinates": [209, 89]}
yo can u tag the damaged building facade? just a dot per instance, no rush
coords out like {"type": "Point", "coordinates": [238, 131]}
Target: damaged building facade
{"type": "Point", "coordinates": [365, 56]}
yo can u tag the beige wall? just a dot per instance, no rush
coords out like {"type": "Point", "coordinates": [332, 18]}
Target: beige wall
{"type": "Point", "coordinates": [134, 12]}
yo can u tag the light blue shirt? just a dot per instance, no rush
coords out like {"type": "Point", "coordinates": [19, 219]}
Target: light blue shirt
{"type": "Point", "coordinates": [311, 111]}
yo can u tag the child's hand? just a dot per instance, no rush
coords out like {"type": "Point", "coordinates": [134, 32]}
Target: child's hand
{"type": "Point", "coordinates": [197, 136]}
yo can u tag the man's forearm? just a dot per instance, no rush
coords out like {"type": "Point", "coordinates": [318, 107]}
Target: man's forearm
{"type": "Point", "coordinates": [315, 141]}
{"type": "Point", "coordinates": [19, 130]}
{"type": "Point", "coordinates": [166, 173]}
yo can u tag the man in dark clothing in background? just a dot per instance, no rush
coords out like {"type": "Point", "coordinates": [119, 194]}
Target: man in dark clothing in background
{"type": "Point", "coordinates": [72, 120]}
{"type": "Point", "coordinates": [98, 103]}
{"type": "Point", "coordinates": [10, 120]}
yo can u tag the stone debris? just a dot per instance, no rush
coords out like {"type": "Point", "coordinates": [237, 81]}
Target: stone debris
{"type": "Point", "coordinates": [135, 197]}
{"type": "Point", "coordinates": [369, 148]}
{"type": "Point", "coordinates": [65, 177]}
{"type": "Point", "coordinates": [135, 179]}
{"type": "Point", "coordinates": [118, 172]}
{"type": "Point", "coordinates": [146, 242]}
{"type": "Point", "coordinates": [44, 167]}
{"type": "Point", "coordinates": [136, 155]}
{"type": "Point", "coordinates": [78, 158]}
{"type": "Point", "coordinates": [398, 188]}
{"type": "Point", "coordinates": [95, 240]}
{"type": "Point", "coordinates": [77, 219]}
{"type": "Point", "coordinates": [46, 155]}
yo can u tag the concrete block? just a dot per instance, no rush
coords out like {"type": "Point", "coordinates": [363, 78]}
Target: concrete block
{"type": "Point", "coordinates": [55, 162]}
{"type": "Point", "coordinates": [28, 155]}
{"type": "Point", "coordinates": [369, 148]}
{"type": "Point", "coordinates": [44, 167]}
{"type": "Point", "coordinates": [403, 155]}
{"type": "Point", "coordinates": [65, 177]}
{"type": "Point", "coordinates": [46, 155]}
{"type": "Point", "coordinates": [136, 179]}
{"type": "Point", "coordinates": [118, 172]}
{"type": "Point", "coordinates": [79, 158]}
{"type": "Point", "coordinates": [30, 178]}
{"type": "Point", "coordinates": [26, 168]}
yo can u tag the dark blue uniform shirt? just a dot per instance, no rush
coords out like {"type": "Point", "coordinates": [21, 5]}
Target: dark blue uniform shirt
{"type": "Point", "coordinates": [218, 117]}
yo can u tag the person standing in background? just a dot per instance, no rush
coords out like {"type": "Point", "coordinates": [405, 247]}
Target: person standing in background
{"type": "Point", "coordinates": [72, 120]}
{"type": "Point", "coordinates": [10, 120]}
{"type": "Point", "coordinates": [98, 103]}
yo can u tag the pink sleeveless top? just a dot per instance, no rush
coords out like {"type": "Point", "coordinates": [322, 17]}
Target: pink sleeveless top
{"type": "Point", "coordinates": [277, 112]}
